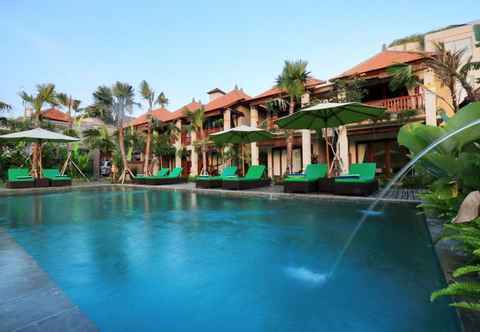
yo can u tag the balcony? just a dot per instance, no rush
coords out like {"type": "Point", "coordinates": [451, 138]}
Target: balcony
{"type": "Point", "coordinates": [209, 131]}
{"type": "Point", "coordinates": [399, 104]}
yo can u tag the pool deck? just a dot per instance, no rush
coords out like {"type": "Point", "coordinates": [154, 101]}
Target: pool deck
{"type": "Point", "coordinates": [30, 300]}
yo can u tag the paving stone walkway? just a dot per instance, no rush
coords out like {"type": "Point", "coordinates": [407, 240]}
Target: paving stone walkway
{"type": "Point", "coordinates": [29, 300]}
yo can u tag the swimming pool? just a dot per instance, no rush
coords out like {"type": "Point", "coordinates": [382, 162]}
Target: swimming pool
{"type": "Point", "coordinates": [147, 260]}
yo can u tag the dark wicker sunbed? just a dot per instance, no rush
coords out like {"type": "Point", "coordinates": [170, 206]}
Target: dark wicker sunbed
{"type": "Point", "coordinates": [308, 182]}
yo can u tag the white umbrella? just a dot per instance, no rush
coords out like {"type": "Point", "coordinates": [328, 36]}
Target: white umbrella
{"type": "Point", "coordinates": [38, 136]}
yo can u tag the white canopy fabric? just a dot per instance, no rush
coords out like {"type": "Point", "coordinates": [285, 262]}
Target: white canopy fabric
{"type": "Point", "coordinates": [38, 135]}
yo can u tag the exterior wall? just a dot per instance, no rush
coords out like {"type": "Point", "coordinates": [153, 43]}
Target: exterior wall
{"type": "Point", "coordinates": [253, 146]}
{"type": "Point", "coordinates": [457, 38]}
{"type": "Point", "coordinates": [410, 47]}
{"type": "Point", "coordinates": [194, 156]}
{"type": "Point", "coordinates": [178, 144]}
{"type": "Point", "coordinates": [343, 149]}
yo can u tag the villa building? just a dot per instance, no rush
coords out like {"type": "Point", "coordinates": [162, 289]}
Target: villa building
{"type": "Point", "coordinates": [361, 142]}
{"type": "Point", "coordinates": [55, 117]}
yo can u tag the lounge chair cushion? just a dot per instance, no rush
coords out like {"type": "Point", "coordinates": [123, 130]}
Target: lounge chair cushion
{"type": "Point", "coordinates": [159, 174]}
{"type": "Point", "coordinates": [19, 175]}
{"type": "Point", "coordinates": [177, 172]}
{"type": "Point", "coordinates": [313, 172]}
{"type": "Point", "coordinates": [361, 173]}
{"type": "Point", "coordinates": [254, 173]}
{"type": "Point", "coordinates": [54, 174]}
{"type": "Point", "coordinates": [227, 172]}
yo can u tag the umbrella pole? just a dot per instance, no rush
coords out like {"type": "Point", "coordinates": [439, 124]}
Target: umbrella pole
{"type": "Point", "coordinates": [242, 160]}
{"type": "Point", "coordinates": [327, 154]}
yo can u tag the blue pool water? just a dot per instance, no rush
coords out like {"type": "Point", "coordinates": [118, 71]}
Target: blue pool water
{"type": "Point", "coordinates": [140, 260]}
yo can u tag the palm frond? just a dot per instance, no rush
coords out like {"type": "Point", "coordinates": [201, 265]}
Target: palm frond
{"type": "Point", "coordinates": [162, 100]}
{"type": "Point", "coordinates": [457, 289]}
{"type": "Point", "coordinates": [4, 106]}
{"type": "Point", "coordinates": [293, 78]}
{"type": "Point", "coordinates": [475, 306]}
{"type": "Point", "coordinates": [461, 271]}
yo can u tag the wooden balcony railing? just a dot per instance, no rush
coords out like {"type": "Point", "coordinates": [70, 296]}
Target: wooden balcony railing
{"type": "Point", "coordinates": [213, 130]}
{"type": "Point", "coordinates": [398, 104]}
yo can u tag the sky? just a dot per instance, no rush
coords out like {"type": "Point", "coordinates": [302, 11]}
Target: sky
{"type": "Point", "coordinates": [186, 48]}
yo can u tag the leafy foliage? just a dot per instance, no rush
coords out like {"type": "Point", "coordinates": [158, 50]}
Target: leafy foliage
{"type": "Point", "coordinates": [293, 78]}
{"type": "Point", "coordinates": [468, 235]}
{"type": "Point", "coordinates": [350, 90]}
{"type": "Point", "coordinates": [4, 106]}
{"type": "Point", "coordinates": [457, 158]}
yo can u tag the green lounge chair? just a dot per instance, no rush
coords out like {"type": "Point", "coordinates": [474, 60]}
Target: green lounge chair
{"type": "Point", "coordinates": [143, 179]}
{"type": "Point", "coordinates": [360, 180]}
{"type": "Point", "coordinates": [55, 179]}
{"type": "Point", "coordinates": [215, 181]}
{"type": "Point", "coordinates": [308, 182]}
{"type": "Point", "coordinates": [175, 176]}
{"type": "Point", "coordinates": [19, 178]}
{"type": "Point", "coordinates": [254, 178]}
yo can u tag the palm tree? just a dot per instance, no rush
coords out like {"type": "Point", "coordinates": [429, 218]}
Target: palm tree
{"type": "Point", "coordinates": [449, 67]}
{"type": "Point", "coordinates": [292, 80]}
{"type": "Point", "coordinates": [118, 100]}
{"type": "Point", "coordinates": [152, 99]}
{"type": "Point", "coordinates": [69, 103]}
{"type": "Point", "coordinates": [99, 138]}
{"type": "Point", "coordinates": [196, 119]}
{"type": "Point", "coordinates": [45, 94]}
{"type": "Point", "coordinates": [4, 106]}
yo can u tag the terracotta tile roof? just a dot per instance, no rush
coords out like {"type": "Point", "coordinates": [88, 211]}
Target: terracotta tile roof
{"type": "Point", "coordinates": [277, 91]}
{"type": "Point", "coordinates": [55, 114]}
{"type": "Point", "coordinates": [164, 115]}
{"type": "Point", "coordinates": [383, 60]}
{"type": "Point", "coordinates": [191, 107]}
{"type": "Point", "coordinates": [161, 114]}
{"type": "Point", "coordinates": [231, 98]}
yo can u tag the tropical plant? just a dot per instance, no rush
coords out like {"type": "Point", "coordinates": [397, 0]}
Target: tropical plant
{"type": "Point", "coordinates": [196, 120]}
{"type": "Point", "coordinates": [454, 163]}
{"type": "Point", "coordinates": [69, 103]}
{"type": "Point", "coordinates": [117, 100]}
{"type": "Point", "coordinates": [99, 138]}
{"type": "Point", "coordinates": [4, 106]}
{"type": "Point", "coordinates": [274, 108]}
{"type": "Point", "coordinates": [45, 94]}
{"type": "Point", "coordinates": [466, 284]}
{"type": "Point", "coordinates": [152, 99]}
{"type": "Point", "coordinates": [292, 80]}
{"type": "Point", "coordinates": [349, 90]}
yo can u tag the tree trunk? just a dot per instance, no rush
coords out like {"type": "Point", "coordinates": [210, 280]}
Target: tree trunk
{"type": "Point", "coordinates": [121, 144]}
{"type": "Point", "coordinates": [204, 151]}
{"type": "Point", "coordinates": [290, 138]}
{"type": "Point", "coordinates": [453, 94]}
{"type": "Point", "coordinates": [146, 169]}
{"type": "Point", "coordinates": [96, 164]}
{"type": "Point", "coordinates": [468, 88]}
{"type": "Point", "coordinates": [36, 150]}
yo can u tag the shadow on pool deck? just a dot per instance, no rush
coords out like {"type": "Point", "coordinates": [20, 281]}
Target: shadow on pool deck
{"type": "Point", "coordinates": [29, 300]}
